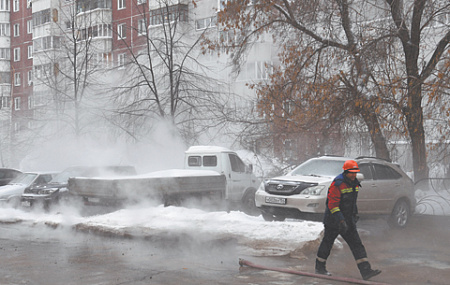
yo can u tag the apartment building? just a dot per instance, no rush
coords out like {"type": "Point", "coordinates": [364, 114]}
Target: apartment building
{"type": "Point", "coordinates": [38, 38]}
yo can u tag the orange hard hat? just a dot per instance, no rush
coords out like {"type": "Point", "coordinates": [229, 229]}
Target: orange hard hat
{"type": "Point", "coordinates": [351, 166]}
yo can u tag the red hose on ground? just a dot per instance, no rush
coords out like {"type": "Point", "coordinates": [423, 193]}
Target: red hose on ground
{"type": "Point", "coordinates": [243, 262]}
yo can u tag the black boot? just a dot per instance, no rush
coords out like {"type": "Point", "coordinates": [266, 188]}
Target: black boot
{"type": "Point", "coordinates": [321, 268]}
{"type": "Point", "coordinates": [366, 271]}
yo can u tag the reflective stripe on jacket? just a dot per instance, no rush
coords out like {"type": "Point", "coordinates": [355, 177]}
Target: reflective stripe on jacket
{"type": "Point", "coordinates": [341, 201]}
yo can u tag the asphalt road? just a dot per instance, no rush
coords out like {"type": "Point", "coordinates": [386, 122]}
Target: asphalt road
{"type": "Point", "coordinates": [419, 254]}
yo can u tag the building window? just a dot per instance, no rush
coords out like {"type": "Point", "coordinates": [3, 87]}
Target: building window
{"type": "Point", "coordinates": [263, 70]}
{"type": "Point", "coordinates": [41, 17]}
{"type": "Point", "coordinates": [121, 60]}
{"type": "Point", "coordinates": [88, 5]}
{"type": "Point", "coordinates": [165, 15]}
{"type": "Point", "coordinates": [17, 103]}
{"type": "Point", "coordinates": [5, 78]}
{"type": "Point", "coordinates": [288, 108]}
{"type": "Point", "coordinates": [16, 5]}
{"type": "Point", "coordinates": [4, 29]}
{"type": "Point", "coordinates": [141, 1]}
{"type": "Point", "coordinates": [288, 151]}
{"type": "Point", "coordinates": [5, 53]}
{"type": "Point", "coordinates": [30, 52]}
{"type": "Point", "coordinates": [101, 30]}
{"type": "Point", "coordinates": [121, 31]}
{"type": "Point", "coordinates": [142, 29]}
{"type": "Point", "coordinates": [30, 77]}
{"type": "Point", "coordinates": [30, 26]}
{"type": "Point", "coordinates": [101, 60]}
{"type": "Point", "coordinates": [120, 4]}
{"type": "Point", "coordinates": [228, 37]}
{"type": "Point", "coordinates": [17, 54]}
{"type": "Point", "coordinates": [46, 43]}
{"type": "Point", "coordinates": [206, 23]}
{"type": "Point", "coordinates": [4, 5]}
{"type": "Point", "coordinates": [5, 102]}
{"type": "Point", "coordinates": [16, 30]}
{"type": "Point", "coordinates": [17, 79]}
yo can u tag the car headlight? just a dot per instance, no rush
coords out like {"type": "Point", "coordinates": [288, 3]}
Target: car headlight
{"type": "Point", "coordinates": [47, 191]}
{"type": "Point", "coordinates": [262, 186]}
{"type": "Point", "coordinates": [315, 190]}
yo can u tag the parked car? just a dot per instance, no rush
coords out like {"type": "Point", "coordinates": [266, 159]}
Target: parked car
{"type": "Point", "coordinates": [302, 193]}
{"type": "Point", "coordinates": [12, 192]}
{"type": "Point", "coordinates": [8, 174]}
{"type": "Point", "coordinates": [56, 189]}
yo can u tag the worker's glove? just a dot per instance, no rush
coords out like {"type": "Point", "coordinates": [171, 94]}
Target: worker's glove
{"type": "Point", "coordinates": [356, 218]}
{"type": "Point", "coordinates": [343, 227]}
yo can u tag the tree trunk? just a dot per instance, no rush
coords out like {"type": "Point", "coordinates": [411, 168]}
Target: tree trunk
{"type": "Point", "coordinates": [378, 139]}
{"type": "Point", "coordinates": [414, 120]}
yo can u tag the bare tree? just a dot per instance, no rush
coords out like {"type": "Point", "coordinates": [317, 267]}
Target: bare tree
{"type": "Point", "coordinates": [66, 70]}
{"type": "Point", "coordinates": [165, 77]}
{"type": "Point", "coordinates": [352, 35]}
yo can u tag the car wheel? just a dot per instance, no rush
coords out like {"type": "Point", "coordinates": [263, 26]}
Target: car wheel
{"type": "Point", "coordinates": [271, 217]}
{"type": "Point", "coordinates": [248, 203]}
{"type": "Point", "coordinates": [400, 215]}
{"type": "Point", "coordinates": [14, 202]}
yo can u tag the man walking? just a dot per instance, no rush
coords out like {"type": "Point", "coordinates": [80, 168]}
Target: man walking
{"type": "Point", "coordinates": [341, 215]}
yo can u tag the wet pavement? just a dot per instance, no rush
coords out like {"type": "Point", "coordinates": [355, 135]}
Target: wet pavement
{"type": "Point", "coordinates": [418, 254]}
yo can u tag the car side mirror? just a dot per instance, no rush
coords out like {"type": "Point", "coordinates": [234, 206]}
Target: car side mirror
{"type": "Point", "coordinates": [249, 168]}
{"type": "Point", "coordinates": [360, 176]}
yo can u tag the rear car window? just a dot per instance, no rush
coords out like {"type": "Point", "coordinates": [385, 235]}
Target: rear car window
{"type": "Point", "coordinates": [384, 172]}
{"type": "Point", "coordinates": [195, 160]}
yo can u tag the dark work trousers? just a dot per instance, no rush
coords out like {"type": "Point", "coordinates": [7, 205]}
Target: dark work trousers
{"type": "Point", "coordinates": [351, 237]}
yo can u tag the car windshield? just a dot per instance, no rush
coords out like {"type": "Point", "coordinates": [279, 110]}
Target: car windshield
{"type": "Point", "coordinates": [319, 167]}
{"type": "Point", "coordinates": [24, 178]}
{"type": "Point", "coordinates": [64, 176]}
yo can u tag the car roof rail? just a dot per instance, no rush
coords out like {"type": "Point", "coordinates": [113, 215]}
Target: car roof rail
{"type": "Point", "coordinates": [332, 155]}
{"type": "Point", "coordinates": [373, 157]}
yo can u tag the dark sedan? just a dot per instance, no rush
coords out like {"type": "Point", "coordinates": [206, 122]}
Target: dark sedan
{"type": "Point", "coordinates": [56, 189]}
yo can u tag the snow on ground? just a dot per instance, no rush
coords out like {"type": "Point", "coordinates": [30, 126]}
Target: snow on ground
{"type": "Point", "coordinates": [253, 234]}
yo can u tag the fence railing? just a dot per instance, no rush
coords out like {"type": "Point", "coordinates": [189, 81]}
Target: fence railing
{"type": "Point", "coordinates": [433, 196]}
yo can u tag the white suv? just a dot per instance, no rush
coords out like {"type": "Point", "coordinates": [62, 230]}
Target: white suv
{"type": "Point", "coordinates": [302, 193]}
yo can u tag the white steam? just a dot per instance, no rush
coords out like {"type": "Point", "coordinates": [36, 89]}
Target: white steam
{"type": "Point", "coordinates": [163, 150]}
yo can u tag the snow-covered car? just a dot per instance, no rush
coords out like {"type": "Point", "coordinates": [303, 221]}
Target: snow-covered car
{"type": "Point", "coordinates": [302, 193]}
{"type": "Point", "coordinates": [56, 189]}
{"type": "Point", "coordinates": [11, 193]}
{"type": "Point", "coordinates": [8, 174]}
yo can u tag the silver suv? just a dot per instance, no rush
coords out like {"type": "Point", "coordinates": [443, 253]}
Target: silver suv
{"type": "Point", "coordinates": [385, 190]}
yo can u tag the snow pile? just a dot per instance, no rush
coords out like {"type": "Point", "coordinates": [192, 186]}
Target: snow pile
{"type": "Point", "coordinates": [253, 234]}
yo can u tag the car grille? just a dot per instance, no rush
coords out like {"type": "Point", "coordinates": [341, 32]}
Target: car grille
{"type": "Point", "coordinates": [286, 188]}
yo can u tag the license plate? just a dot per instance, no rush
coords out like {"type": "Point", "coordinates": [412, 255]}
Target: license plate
{"type": "Point", "coordinates": [94, 200]}
{"type": "Point", "coordinates": [276, 200]}
{"type": "Point", "coordinates": [26, 204]}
